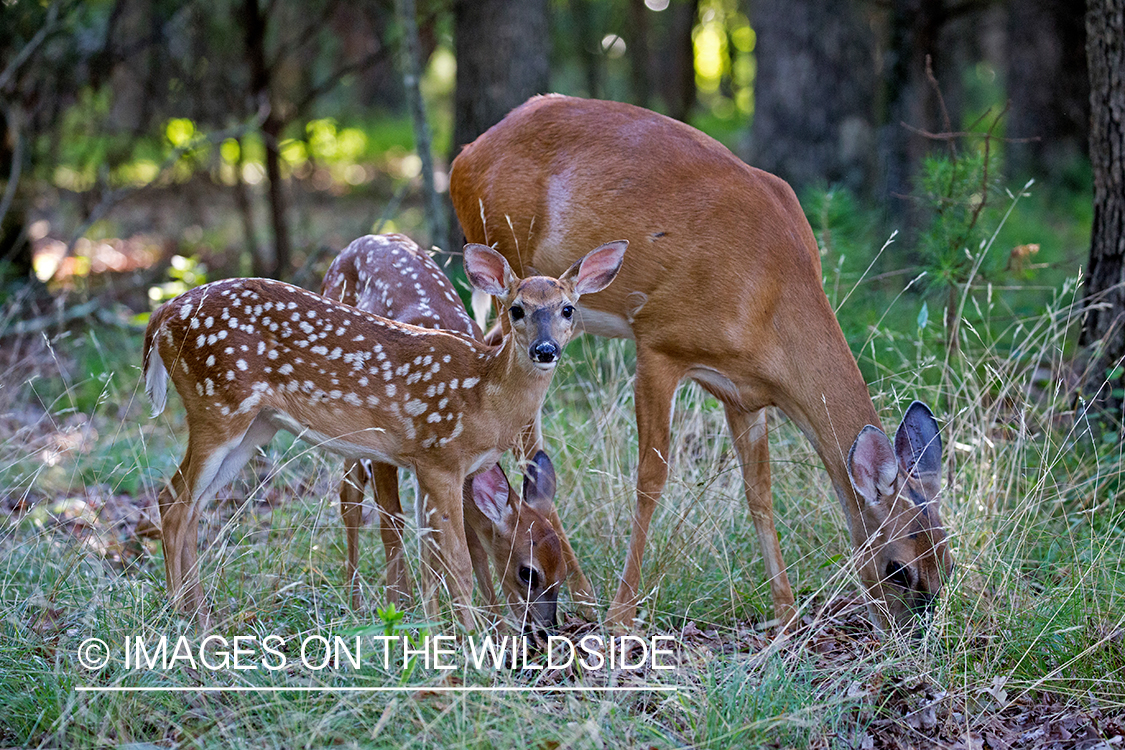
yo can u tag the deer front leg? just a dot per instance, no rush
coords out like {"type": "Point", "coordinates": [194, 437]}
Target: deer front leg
{"type": "Point", "coordinates": [750, 434]}
{"type": "Point", "coordinates": [445, 541]}
{"type": "Point", "coordinates": [656, 383]}
{"type": "Point", "coordinates": [351, 511]}
{"type": "Point", "coordinates": [385, 479]}
{"type": "Point", "coordinates": [581, 592]}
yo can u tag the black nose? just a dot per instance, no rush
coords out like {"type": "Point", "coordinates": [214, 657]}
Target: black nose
{"type": "Point", "coordinates": [545, 351]}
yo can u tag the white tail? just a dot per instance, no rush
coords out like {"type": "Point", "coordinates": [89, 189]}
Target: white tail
{"type": "Point", "coordinates": [393, 277]}
{"type": "Point", "coordinates": [722, 286]}
{"type": "Point", "coordinates": [251, 356]}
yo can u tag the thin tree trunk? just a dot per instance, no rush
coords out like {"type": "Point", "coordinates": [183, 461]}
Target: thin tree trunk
{"type": "Point", "coordinates": [589, 46]}
{"type": "Point", "coordinates": [412, 74]}
{"type": "Point", "coordinates": [259, 264]}
{"type": "Point", "coordinates": [637, 44]}
{"type": "Point", "coordinates": [254, 28]}
{"type": "Point", "coordinates": [678, 79]}
{"type": "Point", "coordinates": [1105, 277]}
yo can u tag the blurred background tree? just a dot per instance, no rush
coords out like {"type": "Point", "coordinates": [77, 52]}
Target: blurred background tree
{"type": "Point", "coordinates": [258, 136]}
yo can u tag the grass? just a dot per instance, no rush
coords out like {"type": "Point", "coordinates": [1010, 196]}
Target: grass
{"type": "Point", "coordinates": [1033, 503]}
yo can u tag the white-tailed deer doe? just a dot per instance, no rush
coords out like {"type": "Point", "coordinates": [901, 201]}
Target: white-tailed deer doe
{"type": "Point", "coordinates": [722, 286]}
{"type": "Point", "coordinates": [252, 356]}
{"type": "Point", "coordinates": [391, 276]}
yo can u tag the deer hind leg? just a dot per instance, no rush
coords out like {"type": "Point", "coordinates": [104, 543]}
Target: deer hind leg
{"type": "Point", "coordinates": [656, 383]}
{"type": "Point", "coordinates": [351, 511]}
{"type": "Point", "coordinates": [175, 510]}
{"type": "Point", "coordinates": [385, 479]}
{"type": "Point", "coordinates": [581, 592]}
{"type": "Point", "coordinates": [750, 434]}
{"type": "Point", "coordinates": [212, 469]}
{"type": "Point", "coordinates": [445, 545]}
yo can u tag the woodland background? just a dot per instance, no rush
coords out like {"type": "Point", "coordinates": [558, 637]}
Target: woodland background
{"type": "Point", "coordinates": [962, 163]}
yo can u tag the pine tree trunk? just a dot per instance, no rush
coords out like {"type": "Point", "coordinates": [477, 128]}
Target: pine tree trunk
{"type": "Point", "coordinates": [1104, 325]}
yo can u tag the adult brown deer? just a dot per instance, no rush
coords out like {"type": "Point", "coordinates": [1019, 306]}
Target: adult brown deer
{"type": "Point", "coordinates": [391, 276]}
{"type": "Point", "coordinates": [722, 286]}
{"type": "Point", "coordinates": [252, 356]}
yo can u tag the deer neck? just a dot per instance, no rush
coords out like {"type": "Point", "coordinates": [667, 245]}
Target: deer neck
{"type": "Point", "coordinates": [512, 384]}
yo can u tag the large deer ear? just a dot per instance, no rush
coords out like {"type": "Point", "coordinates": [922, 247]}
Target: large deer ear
{"type": "Point", "coordinates": [539, 483]}
{"type": "Point", "coordinates": [595, 271]}
{"type": "Point", "coordinates": [491, 494]}
{"type": "Point", "coordinates": [918, 447]}
{"type": "Point", "coordinates": [487, 270]}
{"type": "Point", "coordinates": [871, 465]}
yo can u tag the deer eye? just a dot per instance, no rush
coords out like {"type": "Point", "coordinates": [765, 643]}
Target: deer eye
{"type": "Point", "coordinates": [517, 312]}
{"type": "Point", "coordinates": [898, 574]}
{"type": "Point", "coordinates": [529, 577]}
{"type": "Point", "coordinates": [568, 311]}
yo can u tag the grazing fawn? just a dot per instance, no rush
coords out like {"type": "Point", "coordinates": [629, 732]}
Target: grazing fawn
{"type": "Point", "coordinates": [391, 276]}
{"type": "Point", "coordinates": [722, 286]}
{"type": "Point", "coordinates": [252, 356]}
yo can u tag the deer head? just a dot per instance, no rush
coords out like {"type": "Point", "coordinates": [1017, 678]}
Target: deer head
{"type": "Point", "coordinates": [906, 560]}
{"type": "Point", "coordinates": [524, 548]}
{"type": "Point", "coordinates": [540, 318]}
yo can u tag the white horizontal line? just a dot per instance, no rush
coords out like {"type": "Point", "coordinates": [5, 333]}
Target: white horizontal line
{"type": "Point", "coordinates": [405, 689]}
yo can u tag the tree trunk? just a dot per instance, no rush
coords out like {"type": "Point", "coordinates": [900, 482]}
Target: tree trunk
{"type": "Point", "coordinates": [1048, 85]}
{"type": "Point", "coordinates": [254, 29]}
{"type": "Point", "coordinates": [489, 85]}
{"type": "Point", "coordinates": [259, 264]}
{"type": "Point", "coordinates": [814, 92]}
{"type": "Point", "coordinates": [677, 79]}
{"type": "Point", "coordinates": [589, 46]}
{"type": "Point", "coordinates": [1103, 325]}
{"type": "Point", "coordinates": [410, 56]}
{"type": "Point", "coordinates": [15, 247]}
{"type": "Point", "coordinates": [913, 30]}
{"type": "Point", "coordinates": [637, 45]}
{"type": "Point", "coordinates": [502, 51]}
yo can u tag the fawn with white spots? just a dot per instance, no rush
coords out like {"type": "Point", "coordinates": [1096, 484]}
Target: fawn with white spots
{"type": "Point", "coordinates": [393, 277]}
{"type": "Point", "coordinates": [252, 356]}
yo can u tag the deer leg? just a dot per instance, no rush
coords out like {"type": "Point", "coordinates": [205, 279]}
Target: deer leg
{"type": "Point", "coordinates": [581, 592]}
{"type": "Point", "coordinates": [656, 383]}
{"type": "Point", "coordinates": [447, 541]}
{"type": "Point", "coordinates": [750, 434]}
{"type": "Point", "coordinates": [385, 479]}
{"type": "Point", "coordinates": [351, 511]}
{"type": "Point", "coordinates": [175, 508]}
{"type": "Point", "coordinates": [216, 470]}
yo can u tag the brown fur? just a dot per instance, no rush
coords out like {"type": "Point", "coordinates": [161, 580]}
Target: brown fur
{"type": "Point", "coordinates": [722, 285]}
{"type": "Point", "coordinates": [251, 356]}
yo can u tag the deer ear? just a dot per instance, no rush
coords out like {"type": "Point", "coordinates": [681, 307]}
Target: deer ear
{"type": "Point", "coordinates": [539, 483]}
{"type": "Point", "coordinates": [491, 493]}
{"type": "Point", "coordinates": [918, 447]}
{"type": "Point", "coordinates": [595, 271]}
{"type": "Point", "coordinates": [871, 465]}
{"type": "Point", "coordinates": [487, 270]}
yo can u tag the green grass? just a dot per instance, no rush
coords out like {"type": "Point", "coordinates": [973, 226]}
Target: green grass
{"type": "Point", "coordinates": [1032, 501]}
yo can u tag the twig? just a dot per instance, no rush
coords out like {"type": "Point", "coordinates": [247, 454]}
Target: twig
{"type": "Point", "coordinates": [945, 121]}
